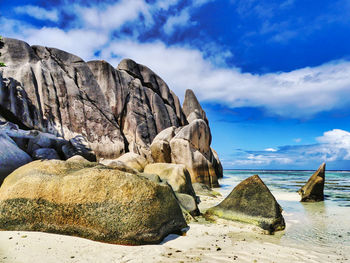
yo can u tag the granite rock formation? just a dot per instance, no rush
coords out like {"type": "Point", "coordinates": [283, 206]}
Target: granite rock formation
{"type": "Point", "coordinates": [312, 191]}
{"type": "Point", "coordinates": [88, 200]}
{"type": "Point", "coordinates": [251, 202]}
{"type": "Point", "coordinates": [97, 111]}
{"type": "Point", "coordinates": [176, 175]}
{"type": "Point", "coordinates": [11, 156]}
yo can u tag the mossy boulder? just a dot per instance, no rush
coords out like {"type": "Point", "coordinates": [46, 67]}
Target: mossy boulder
{"type": "Point", "coordinates": [251, 202]}
{"type": "Point", "coordinates": [312, 191]}
{"type": "Point", "coordinates": [88, 200]}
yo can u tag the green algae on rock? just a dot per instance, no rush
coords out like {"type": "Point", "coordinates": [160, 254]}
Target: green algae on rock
{"type": "Point", "coordinates": [90, 201]}
{"type": "Point", "coordinates": [251, 202]}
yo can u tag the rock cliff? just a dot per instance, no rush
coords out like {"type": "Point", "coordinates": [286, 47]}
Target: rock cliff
{"type": "Point", "coordinates": [92, 105]}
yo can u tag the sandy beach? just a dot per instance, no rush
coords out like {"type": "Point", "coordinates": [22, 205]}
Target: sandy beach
{"type": "Point", "coordinates": [223, 241]}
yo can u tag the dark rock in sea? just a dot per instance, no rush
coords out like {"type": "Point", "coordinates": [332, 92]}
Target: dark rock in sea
{"type": "Point", "coordinates": [251, 202]}
{"type": "Point", "coordinates": [88, 200]}
{"type": "Point", "coordinates": [312, 191]}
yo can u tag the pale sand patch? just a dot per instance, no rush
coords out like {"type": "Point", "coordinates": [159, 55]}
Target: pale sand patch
{"type": "Point", "coordinates": [221, 242]}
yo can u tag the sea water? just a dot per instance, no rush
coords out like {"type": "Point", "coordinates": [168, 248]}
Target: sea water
{"type": "Point", "coordinates": [324, 223]}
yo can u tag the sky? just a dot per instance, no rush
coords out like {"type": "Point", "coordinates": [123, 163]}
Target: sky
{"type": "Point", "coordinates": [273, 76]}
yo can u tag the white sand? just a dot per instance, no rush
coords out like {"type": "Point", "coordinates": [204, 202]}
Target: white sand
{"type": "Point", "coordinates": [224, 241]}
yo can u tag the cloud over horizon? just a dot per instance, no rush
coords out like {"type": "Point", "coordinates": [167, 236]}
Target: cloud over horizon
{"type": "Point", "coordinates": [332, 146]}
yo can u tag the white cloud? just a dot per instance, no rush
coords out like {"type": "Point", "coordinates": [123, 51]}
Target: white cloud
{"type": "Point", "coordinates": [270, 150]}
{"type": "Point", "coordinates": [297, 140]}
{"type": "Point", "coordinates": [333, 146]}
{"type": "Point", "coordinates": [38, 12]}
{"type": "Point", "coordinates": [183, 19]}
{"type": "Point", "coordinates": [338, 143]}
{"type": "Point", "coordinates": [114, 16]}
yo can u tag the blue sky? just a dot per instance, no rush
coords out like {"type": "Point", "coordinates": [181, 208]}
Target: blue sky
{"type": "Point", "coordinates": [273, 76]}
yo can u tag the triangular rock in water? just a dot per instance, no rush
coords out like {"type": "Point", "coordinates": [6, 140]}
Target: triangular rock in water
{"type": "Point", "coordinates": [251, 202]}
{"type": "Point", "coordinates": [312, 191]}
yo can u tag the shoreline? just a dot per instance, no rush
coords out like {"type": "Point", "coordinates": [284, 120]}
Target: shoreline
{"type": "Point", "coordinates": [222, 241]}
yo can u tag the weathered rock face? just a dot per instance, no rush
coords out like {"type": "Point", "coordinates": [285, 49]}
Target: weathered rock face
{"type": "Point", "coordinates": [251, 202]}
{"type": "Point", "coordinates": [203, 189]}
{"type": "Point", "coordinates": [101, 111]}
{"type": "Point", "coordinates": [312, 191]}
{"type": "Point", "coordinates": [133, 160]}
{"type": "Point", "coordinates": [140, 100]}
{"type": "Point", "coordinates": [11, 156]}
{"type": "Point", "coordinates": [191, 147]}
{"type": "Point", "coordinates": [174, 174]}
{"type": "Point", "coordinates": [53, 91]}
{"type": "Point", "coordinates": [192, 109]}
{"type": "Point", "coordinates": [88, 200]}
{"type": "Point", "coordinates": [34, 145]}
{"type": "Point", "coordinates": [188, 203]}
{"type": "Point", "coordinates": [45, 154]}
{"type": "Point", "coordinates": [160, 147]}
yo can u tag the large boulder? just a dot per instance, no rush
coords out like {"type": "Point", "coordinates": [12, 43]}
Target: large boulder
{"type": "Point", "coordinates": [88, 200]}
{"type": "Point", "coordinates": [312, 191]}
{"type": "Point", "coordinates": [134, 161]}
{"type": "Point", "coordinates": [11, 157]}
{"type": "Point", "coordinates": [116, 164]}
{"type": "Point", "coordinates": [188, 203]}
{"type": "Point", "coordinates": [251, 202]}
{"type": "Point", "coordinates": [160, 147]}
{"type": "Point", "coordinates": [191, 147]}
{"type": "Point", "coordinates": [174, 174]}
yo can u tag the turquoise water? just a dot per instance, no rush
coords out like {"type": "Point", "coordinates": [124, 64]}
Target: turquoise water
{"type": "Point", "coordinates": [324, 223]}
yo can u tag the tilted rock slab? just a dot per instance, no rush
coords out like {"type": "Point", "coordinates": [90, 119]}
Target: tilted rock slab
{"type": "Point", "coordinates": [251, 202]}
{"type": "Point", "coordinates": [312, 191]}
{"type": "Point", "coordinates": [88, 200]}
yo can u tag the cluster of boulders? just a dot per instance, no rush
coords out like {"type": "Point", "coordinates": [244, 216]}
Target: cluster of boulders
{"type": "Point", "coordinates": [109, 153]}
{"type": "Point", "coordinates": [89, 144]}
{"type": "Point", "coordinates": [97, 111]}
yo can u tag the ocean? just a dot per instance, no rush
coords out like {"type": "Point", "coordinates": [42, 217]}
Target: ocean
{"type": "Point", "coordinates": [324, 223]}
